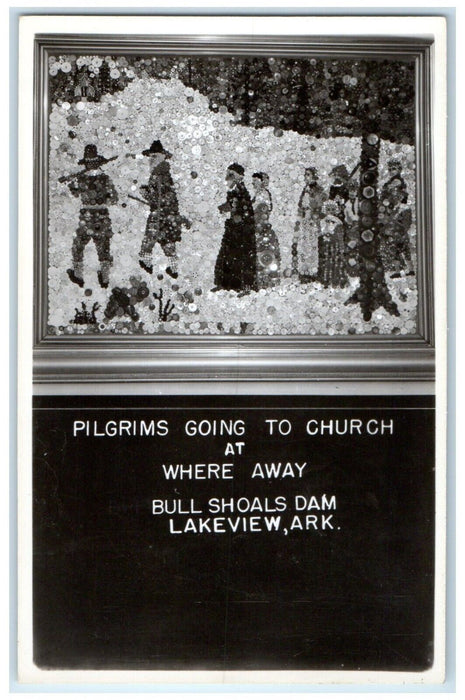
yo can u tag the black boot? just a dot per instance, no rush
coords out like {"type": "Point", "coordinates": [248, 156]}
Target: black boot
{"type": "Point", "coordinates": [132, 312]}
{"type": "Point", "coordinates": [144, 266]}
{"type": "Point", "coordinates": [74, 278]}
{"type": "Point", "coordinates": [103, 284]}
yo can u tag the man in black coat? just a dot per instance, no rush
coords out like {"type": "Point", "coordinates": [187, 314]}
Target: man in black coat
{"type": "Point", "coordinates": [236, 264]}
{"type": "Point", "coordinates": [164, 220]}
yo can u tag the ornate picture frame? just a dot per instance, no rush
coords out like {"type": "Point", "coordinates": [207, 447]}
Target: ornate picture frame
{"type": "Point", "coordinates": [407, 354]}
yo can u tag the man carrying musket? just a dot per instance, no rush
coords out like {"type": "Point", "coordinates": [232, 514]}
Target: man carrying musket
{"type": "Point", "coordinates": [97, 192]}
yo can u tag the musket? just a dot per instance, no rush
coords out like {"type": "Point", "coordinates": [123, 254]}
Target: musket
{"type": "Point", "coordinates": [354, 170]}
{"type": "Point", "coordinates": [65, 178]}
{"type": "Point", "coordinates": [138, 199]}
{"type": "Point", "coordinates": [184, 220]}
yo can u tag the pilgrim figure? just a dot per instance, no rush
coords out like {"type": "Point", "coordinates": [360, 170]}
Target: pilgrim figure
{"type": "Point", "coordinates": [164, 221]}
{"type": "Point", "coordinates": [351, 220]}
{"type": "Point", "coordinates": [268, 254]}
{"type": "Point", "coordinates": [339, 188]}
{"type": "Point", "coordinates": [236, 264]}
{"type": "Point", "coordinates": [307, 227]}
{"type": "Point", "coordinates": [96, 191]}
{"type": "Point", "coordinates": [394, 243]}
{"type": "Point", "coordinates": [331, 259]}
{"type": "Point", "coordinates": [395, 180]}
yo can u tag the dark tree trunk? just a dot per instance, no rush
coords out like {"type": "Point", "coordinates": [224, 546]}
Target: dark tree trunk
{"type": "Point", "coordinates": [372, 291]}
{"type": "Point", "coordinates": [189, 72]}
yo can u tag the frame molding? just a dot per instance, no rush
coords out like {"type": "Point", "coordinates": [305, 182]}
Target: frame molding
{"type": "Point", "coordinates": [279, 358]}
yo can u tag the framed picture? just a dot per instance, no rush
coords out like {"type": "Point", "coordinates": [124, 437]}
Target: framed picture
{"type": "Point", "coordinates": [233, 207]}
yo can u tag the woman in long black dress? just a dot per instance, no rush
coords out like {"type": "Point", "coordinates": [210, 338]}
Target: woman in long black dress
{"type": "Point", "coordinates": [236, 264]}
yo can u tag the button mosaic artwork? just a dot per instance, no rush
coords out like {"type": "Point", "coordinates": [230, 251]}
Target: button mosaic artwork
{"type": "Point", "coordinates": [231, 196]}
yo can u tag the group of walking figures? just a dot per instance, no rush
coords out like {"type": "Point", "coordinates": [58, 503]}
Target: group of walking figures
{"type": "Point", "coordinates": [249, 256]}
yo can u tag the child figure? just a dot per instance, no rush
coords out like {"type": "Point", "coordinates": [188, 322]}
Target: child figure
{"type": "Point", "coordinates": [268, 255]}
{"type": "Point", "coordinates": [339, 188]}
{"type": "Point", "coordinates": [395, 180]}
{"type": "Point", "coordinates": [331, 259]}
{"type": "Point", "coordinates": [394, 234]}
{"type": "Point", "coordinates": [351, 220]}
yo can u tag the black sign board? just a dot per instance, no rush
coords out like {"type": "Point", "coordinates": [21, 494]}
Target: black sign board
{"type": "Point", "coordinates": [227, 533]}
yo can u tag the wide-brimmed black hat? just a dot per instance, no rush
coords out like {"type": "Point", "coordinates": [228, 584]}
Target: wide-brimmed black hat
{"type": "Point", "coordinates": [236, 168]}
{"type": "Point", "coordinates": [155, 148]}
{"type": "Point", "coordinates": [260, 176]}
{"type": "Point", "coordinates": [340, 171]}
{"type": "Point", "coordinates": [92, 157]}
